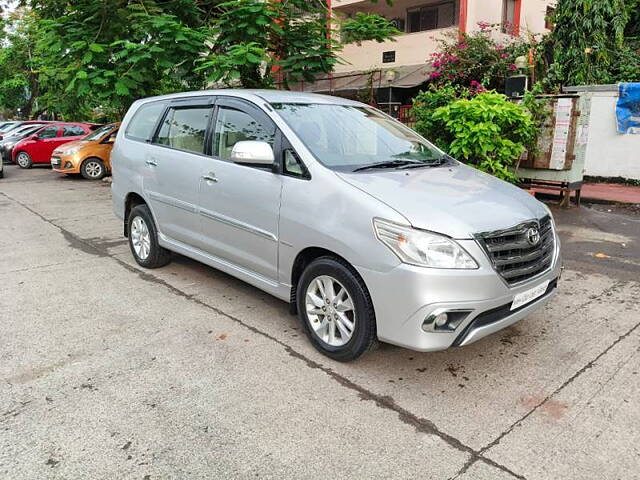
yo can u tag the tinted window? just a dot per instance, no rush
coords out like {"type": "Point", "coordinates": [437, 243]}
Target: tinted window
{"type": "Point", "coordinates": [144, 120]}
{"type": "Point", "coordinates": [184, 128]}
{"type": "Point", "coordinates": [48, 132]}
{"type": "Point", "coordinates": [72, 131]}
{"type": "Point", "coordinates": [233, 126]}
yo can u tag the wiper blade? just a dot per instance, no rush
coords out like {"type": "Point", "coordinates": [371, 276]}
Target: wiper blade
{"type": "Point", "coordinates": [388, 164]}
{"type": "Point", "coordinates": [440, 161]}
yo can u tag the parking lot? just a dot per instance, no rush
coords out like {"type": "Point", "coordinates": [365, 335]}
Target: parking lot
{"type": "Point", "coordinates": [110, 371]}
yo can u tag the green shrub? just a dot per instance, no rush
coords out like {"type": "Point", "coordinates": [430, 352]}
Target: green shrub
{"type": "Point", "coordinates": [425, 105]}
{"type": "Point", "coordinates": [487, 131]}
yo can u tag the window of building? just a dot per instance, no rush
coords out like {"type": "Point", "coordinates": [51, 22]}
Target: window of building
{"type": "Point", "coordinates": [430, 17]}
{"type": "Point", "coordinates": [184, 128]}
{"type": "Point", "coordinates": [548, 19]}
{"type": "Point", "coordinates": [509, 20]}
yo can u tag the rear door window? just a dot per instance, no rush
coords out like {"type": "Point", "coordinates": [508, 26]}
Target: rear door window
{"type": "Point", "coordinates": [72, 131]}
{"type": "Point", "coordinates": [183, 128]}
{"type": "Point", "coordinates": [144, 121]}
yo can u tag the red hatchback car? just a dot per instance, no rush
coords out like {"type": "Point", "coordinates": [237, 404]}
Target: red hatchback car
{"type": "Point", "coordinates": [37, 148]}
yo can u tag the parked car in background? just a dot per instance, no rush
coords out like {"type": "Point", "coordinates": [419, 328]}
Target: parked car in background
{"type": "Point", "coordinates": [369, 231]}
{"type": "Point", "coordinates": [15, 125]}
{"type": "Point", "coordinates": [14, 136]}
{"type": "Point", "coordinates": [90, 156]}
{"type": "Point", "coordinates": [7, 124]}
{"type": "Point", "coordinates": [38, 147]}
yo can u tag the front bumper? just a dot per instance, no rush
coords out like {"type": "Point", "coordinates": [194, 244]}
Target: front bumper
{"type": "Point", "coordinates": [67, 164]}
{"type": "Point", "coordinates": [405, 296]}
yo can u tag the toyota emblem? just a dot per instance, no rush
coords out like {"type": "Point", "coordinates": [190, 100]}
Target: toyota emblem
{"type": "Point", "coordinates": [533, 236]}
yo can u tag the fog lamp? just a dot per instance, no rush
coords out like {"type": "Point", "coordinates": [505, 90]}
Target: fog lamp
{"type": "Point", "coordinates": [68, 165]}
{"type": "Point", "coordinates": [441, 319]}
{"type": "Point", "coordinates": [445, 320]}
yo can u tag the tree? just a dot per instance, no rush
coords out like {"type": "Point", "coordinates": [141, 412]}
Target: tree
{"type": "Point", "coordinates": [19, 73]}
{"type": "Point", "coordinates": [255, 43]}
{"type": "Point", "coordinates": [105, 54]}
{"type": "Point", "coordinates": [587, 37]}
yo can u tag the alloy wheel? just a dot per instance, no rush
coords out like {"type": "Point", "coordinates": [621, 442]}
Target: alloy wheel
{"type": "Point", "coordinates": [93, 169]}
{"type": "Point", "coordinates": [23, 160]}
{"type": "Point", "coordinates": [330, 310]}
{"type": "Point", "coordinates": [140, 238]}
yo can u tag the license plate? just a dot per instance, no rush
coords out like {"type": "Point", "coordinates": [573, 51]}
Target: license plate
{"type": "Point", "coordinates": [529, 295]}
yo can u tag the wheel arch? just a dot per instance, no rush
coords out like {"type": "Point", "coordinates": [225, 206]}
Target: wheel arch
{"type": "Point", "coordinates": [132, 200]}
{"type": "Point", "coordinates": [304, 258]}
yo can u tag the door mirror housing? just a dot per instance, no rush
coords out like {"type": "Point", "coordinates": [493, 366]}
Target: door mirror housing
{"type": "Point", "coordinates": [111, 138]}
{"type": "Point", "coordinates": [252, 152]}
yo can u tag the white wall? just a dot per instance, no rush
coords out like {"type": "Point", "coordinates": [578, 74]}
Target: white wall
{"type": "Point", "coordinates": [610, 154]}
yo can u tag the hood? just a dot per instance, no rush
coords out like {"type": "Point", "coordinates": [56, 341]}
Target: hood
{"type": "Point", "coordinates": [67, 146]}
{"type": "Point", "coordinates": [455, 200]}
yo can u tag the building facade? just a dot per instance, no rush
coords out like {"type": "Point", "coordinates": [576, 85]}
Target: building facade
{"type": "Point", "coordinates": [391, 73]}
{"type": "Point", "coordinates": [423, 22]}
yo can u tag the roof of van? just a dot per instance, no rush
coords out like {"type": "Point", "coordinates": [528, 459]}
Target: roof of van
{"type": "Point", "coordinates": [270, 96]}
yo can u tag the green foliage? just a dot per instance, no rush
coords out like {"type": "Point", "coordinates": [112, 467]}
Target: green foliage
{"type": "Point", "coordinates": [425, 104]}
{"type": "Point", "coordinates": [587, 38]}
{"type": "Point", "coordinates": [367, 26]}
{"type": "Point", "coordinates": [19, 66]}
{"type": "Point", "coordinates": [107, 54]}
{"type": "Point", "coordinates": [487, 131]}
{"type": "Point", "coordinates": [255, 43]}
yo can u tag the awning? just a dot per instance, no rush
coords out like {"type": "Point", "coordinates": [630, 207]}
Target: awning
{"type": "Point", "coordinates": [406, 76]}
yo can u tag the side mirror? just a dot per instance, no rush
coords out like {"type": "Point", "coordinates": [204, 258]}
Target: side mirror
{"type": "Point", "coordinates": [251, 152]}
{"type": "Point", "coordinates": [111, 138]}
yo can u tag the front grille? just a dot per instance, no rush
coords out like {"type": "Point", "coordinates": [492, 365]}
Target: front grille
{"type": "Point", "coordinates": [56, 162]}
{"type": "Point", "coordinates": [513, 256]}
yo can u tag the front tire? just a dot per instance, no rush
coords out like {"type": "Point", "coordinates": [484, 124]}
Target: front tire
{"type": "Point", "coordinates": [93, 169]}
{"type": "Point", "coordinates": [23, 159]}
{"type": "Point", "coordinates": [335, 309]}
{"type": "Point", "coordinates": [143, 239]}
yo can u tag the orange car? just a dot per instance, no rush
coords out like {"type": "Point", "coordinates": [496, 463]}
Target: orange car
{"type": "Point", "coordinates": [89, 156]}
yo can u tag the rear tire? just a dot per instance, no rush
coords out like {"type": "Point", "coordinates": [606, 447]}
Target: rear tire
{"type": "Point", "coordinates": [23, 159]}
{"type": "Point", "coordinates": [143, 239]}
{"type": "Point", "coordinates": [93, 169]}
{"type": "Point", "coordinates": [335, 309]}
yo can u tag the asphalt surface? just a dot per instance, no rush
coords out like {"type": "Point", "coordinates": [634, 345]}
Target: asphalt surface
{"type": "Point", "coordinates": [110, 371]}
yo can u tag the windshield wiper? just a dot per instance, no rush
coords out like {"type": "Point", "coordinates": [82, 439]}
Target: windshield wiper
{"type": "Point", "coordinates": [440, 161]}
{"type": "Point", "coordinates": [388, 164]}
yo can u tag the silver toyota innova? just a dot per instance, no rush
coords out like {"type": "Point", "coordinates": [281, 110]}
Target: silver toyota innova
{"type": "Point", "coordinates": [367, 229]}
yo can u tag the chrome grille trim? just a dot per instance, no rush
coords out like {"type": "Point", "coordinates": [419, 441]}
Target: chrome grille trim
{"type": "Point", "coordinates": [511, 254]}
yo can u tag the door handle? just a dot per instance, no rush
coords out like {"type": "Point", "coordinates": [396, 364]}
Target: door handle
{"type": "Point", "coordinates": [152, 163]}
{"type": "Point", "coordinates": [210, 178]}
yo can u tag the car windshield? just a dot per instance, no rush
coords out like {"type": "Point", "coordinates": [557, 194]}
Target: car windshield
{"type": "Point", "coordinates": [345, 137]}
{"type": "Point", "coordinates": [99, 133]}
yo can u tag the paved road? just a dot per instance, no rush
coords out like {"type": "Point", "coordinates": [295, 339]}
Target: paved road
{"type": "Point", "coordinates": [109, 371]}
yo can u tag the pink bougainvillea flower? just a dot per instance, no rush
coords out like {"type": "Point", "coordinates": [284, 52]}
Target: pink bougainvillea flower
{"type": "Point", "coordinates": [513, 67]}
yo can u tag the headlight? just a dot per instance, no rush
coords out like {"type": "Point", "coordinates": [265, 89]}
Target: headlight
{"type": "Point", "coordinates": [69, 151]}
{"type": "Point", "coordinates": [421, 248]}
